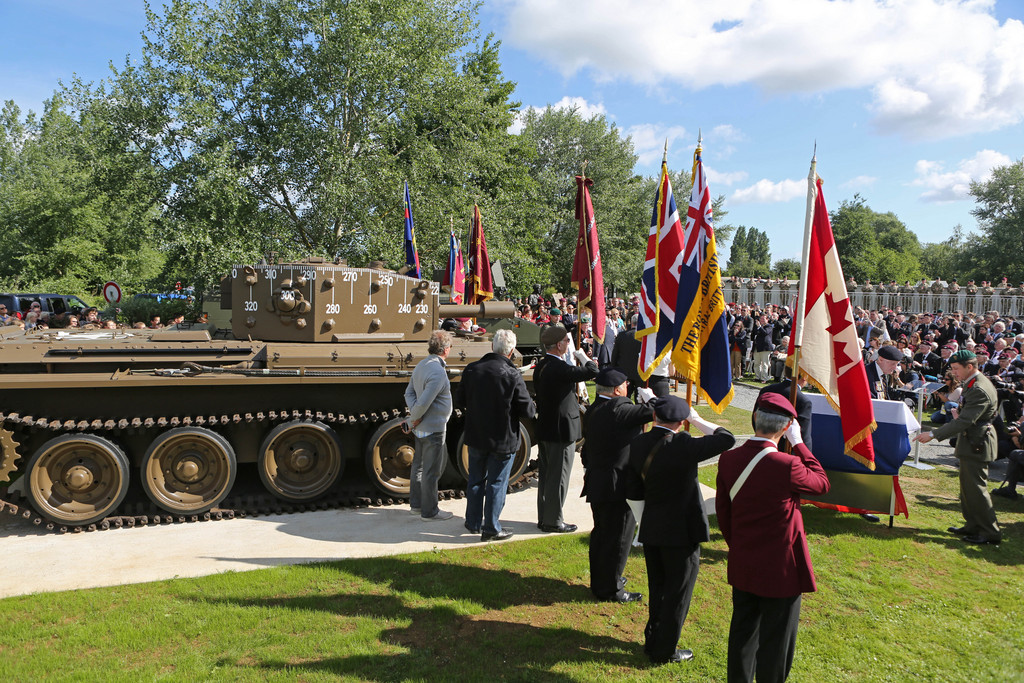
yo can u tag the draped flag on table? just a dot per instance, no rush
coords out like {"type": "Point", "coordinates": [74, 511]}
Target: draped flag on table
{"type": "Point", "coordinates": [455, 274]}
{"type": "Point", "coordinates": [412, 256]}
{"type": "Point", "coordinates": [701, 352]}
{"type": "Point", "coordinates": [479, 286]}
{"type": "Point", "coordinates": [659, 285]}
{"type": "Point", "coordinates": [824, 330]}
{"type": "Point", "coordinates": [586, 267]}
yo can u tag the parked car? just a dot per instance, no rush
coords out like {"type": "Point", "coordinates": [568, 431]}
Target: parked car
{"type": "Point", "coordinates": [18, 304]}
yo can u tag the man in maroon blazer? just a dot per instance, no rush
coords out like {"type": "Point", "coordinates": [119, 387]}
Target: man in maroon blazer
{"type": "Point", "coordinates": [758, 505]}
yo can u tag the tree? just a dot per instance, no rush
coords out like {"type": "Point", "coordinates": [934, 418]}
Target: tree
{"type": "Point", "coordinates": [788, 268]}
{"type": "Point", "coordinates": [750, 255]}
{"type": "Point", "coordinates": [564, 140]}
{"type": "Point", "coordinates": [1000, 214]}
{"type": "Point", "coordinates": [77, 207]}
{"type": "Point", "coordinates": [874, 246]}
{"type": "Point", "coordinates": [291, 125]}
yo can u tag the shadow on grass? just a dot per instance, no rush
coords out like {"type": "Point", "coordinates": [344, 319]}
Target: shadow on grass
{"type": "Point", "coordinates": [508, 640]}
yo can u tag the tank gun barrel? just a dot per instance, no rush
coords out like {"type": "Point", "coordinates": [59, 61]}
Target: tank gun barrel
{"type": "Point", "coordinates": [487, 309]}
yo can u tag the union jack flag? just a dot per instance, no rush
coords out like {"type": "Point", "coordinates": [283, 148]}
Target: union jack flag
{"type": "Point", "coordinates": [659, 287]}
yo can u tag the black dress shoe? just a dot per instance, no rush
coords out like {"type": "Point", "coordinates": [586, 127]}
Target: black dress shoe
{"type": "Point", "coordinates": [677, 656]}
{"type": "Point", "coordinates": [471, 529]}
{"type": "Point", "coordinates": [1005, 492]}
{"type": "Point", "coordinates": [869, 517]}
{"type": "Point", "coordinates": [562, 528]}
{"type": "Point", "coordinates": [626, 596]}
{"type": "Point", "coordinates": [959, 530]}
{"type": "Point", "coordinates": [981, 540]}
{"type": "Point", "coordinates": [500, 536]}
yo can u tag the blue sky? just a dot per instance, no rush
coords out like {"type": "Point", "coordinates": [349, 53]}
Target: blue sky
{"type": "Point", "coordinates": [908, 101]}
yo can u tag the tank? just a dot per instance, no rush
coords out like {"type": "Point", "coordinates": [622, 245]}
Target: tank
{"type": "Point", "coordinates": [308, 383]}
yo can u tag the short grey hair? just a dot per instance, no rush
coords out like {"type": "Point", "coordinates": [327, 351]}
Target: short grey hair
{"type": "Point", "coordinates": [504, 342]}
{"type": "Point", "coordinates": [769, 423]}
{"type": "Point", "coordinates": [601, 389]}
{"type": "Point", "coordinates": [439, 341]}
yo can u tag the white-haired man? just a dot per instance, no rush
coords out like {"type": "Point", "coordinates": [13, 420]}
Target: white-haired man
{"type": "Point", "coordinates": [494, 396]}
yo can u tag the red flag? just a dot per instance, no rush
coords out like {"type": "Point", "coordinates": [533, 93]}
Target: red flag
{"type": "Point", "coordinates": [830, 356]}
{"type": "Point", "coordinates": [455, 274]}
{"type": "Point", "coordinates": [586, 267]}
{"type": "Point", "coordinates": [479, 286]}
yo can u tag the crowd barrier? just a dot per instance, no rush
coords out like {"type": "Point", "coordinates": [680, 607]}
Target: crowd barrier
{"type": "Point", "coordinates": [911, 302]}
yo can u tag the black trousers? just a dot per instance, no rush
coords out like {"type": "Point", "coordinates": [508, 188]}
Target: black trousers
{"type": "Point", "coordinates": [762, 637]}
{"type": "Point", "coordinates": [671, 575]}
{"type": "Point", "coordinates": [609, 547]}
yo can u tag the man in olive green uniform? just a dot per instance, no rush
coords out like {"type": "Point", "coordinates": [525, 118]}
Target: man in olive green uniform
{"type": "Point", "coordinates": [975, 447]}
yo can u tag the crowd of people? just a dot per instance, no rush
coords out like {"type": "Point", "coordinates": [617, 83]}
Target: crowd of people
{"type": "Point", "coordinates": [86, 319]}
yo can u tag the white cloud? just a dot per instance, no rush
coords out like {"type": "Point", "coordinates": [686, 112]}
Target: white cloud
{"type": "Point", "coordinates": [766, 192]}
{"type": "Point", "coordinates": [584, 108]}
{"type": "Point", "coordinates": [860, 181]}
{"type": "Point", "coordinates": [949, 186]}
{"type": "Point", "coordinates": [934, 68]}
{"type": "Point", "coordinates": [724, 178]}
{"type": "Point", "coordinates": [649, 141]}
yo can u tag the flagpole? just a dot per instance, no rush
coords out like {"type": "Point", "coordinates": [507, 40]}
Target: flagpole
{"type": "Point", "coordinates": [801, 300]}
{"type": "Point", "coordinates": [579, 308]}
{"type": "Point", "coordinates": [693, 179]}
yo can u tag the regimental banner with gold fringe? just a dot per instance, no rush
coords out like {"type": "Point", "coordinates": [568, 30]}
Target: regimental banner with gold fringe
{"type": "Point", "coordinates": [701, 352]}
{"type": "Point", "coordinates": [479, 284]}
{"type": "Point", "coordinates": [587, 275]}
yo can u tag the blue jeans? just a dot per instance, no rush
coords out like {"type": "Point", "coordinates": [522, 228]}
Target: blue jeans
{"type": "Point", "coordinates": [427, 466]}
{"type": "Point", "coordinates": [486, 488]}
{"type": "Point", "coordinates": [943, 415]}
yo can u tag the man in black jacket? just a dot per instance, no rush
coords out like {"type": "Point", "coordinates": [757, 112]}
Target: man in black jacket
{"type": "Point", "coordinates": [662, 472]}
{"type": "Point", "coordinates": [763, 348]}
{"type": "Point", "coordinates": [803, 404]}
{"type": "Point", "coordinates": [626, 357]}
{"type": "Point", "coordinates": [558, 425]}
{"type": "Point", "coordinates": [609, 426]}
{"type": "Point", "coordinates": [495, 398]}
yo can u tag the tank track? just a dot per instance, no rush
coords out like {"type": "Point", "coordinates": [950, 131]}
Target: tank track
{"type": "Point", "coordinates": [233, 507]}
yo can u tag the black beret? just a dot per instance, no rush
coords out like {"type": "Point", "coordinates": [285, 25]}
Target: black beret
{"type": "Point", "coordinates": [671, 409]}
{"type": "Point", "coordinates": [890, 353]}
{"type": "Point", "coordinates": [610, 377]}
{"type": "Point", "coordinates": [552, 334]}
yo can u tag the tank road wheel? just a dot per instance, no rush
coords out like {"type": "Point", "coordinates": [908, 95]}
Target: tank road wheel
{"type": "Point", "coordinates": [519, 461]}
{"type": "Point", "coordinates": [77, 479]}
{"type": "Point", "coordinates": [300, 460]}
{"type": "Point", "coordinates": [389, 458]}
{"type": "Point", "coordinates": [188, 470]}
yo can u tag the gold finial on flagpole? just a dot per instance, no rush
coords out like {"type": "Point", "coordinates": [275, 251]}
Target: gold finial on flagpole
{"type": "Point", "coordinates": [583, 173]}
{"type": "Point", "coordinates": [700, 138]}
{"type": "Point", "coordinates": [814, 156]}
{"type": "Point", "coordinates": [664, 156]}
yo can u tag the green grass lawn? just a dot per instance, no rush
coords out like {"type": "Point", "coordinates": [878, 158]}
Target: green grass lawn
{"type": "Point", "coordinates": [910, 603]}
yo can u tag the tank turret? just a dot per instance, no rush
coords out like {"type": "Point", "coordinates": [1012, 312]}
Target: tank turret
{"type": "Point", "coordinates": [314, 301]}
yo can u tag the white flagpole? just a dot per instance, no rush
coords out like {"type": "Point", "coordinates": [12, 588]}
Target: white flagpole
{"type": "Point", "coordinates": [801, 299]}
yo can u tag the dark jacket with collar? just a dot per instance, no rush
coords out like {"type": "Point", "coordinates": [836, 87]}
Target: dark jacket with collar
{"type": "Point", "coordinates": [558, 409]}
{"type": "Point", "coordinates": [495, 398]}
{"type": "Point", "coordinates": [609, 427]}
{"type": "Point", "coordinates": [673, 507]}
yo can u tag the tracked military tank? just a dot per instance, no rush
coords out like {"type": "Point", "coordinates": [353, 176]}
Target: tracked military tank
{"type": "Point", "coordinates": [308, 382]}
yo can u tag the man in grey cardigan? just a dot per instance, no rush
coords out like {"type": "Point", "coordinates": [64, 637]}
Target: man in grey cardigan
{"type": "Point", "coordinates": [429, 398]}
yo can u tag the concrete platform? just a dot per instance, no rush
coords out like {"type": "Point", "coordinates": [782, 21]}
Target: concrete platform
{"type": "Point", "coordinates": [35, 561]}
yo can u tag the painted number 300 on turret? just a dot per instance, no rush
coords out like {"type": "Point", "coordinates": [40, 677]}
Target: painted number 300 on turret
{"type": "Point", "coordinates": [309, 379]}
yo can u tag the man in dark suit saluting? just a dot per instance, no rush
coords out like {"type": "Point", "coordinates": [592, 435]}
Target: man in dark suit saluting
{"type": "Point", "coordinates": [662, 472]}
{"type": "Point", "coordinates": [758, 505]}
{"type": "Point", "coordinates": [558, 425]}
{"type": "Point", "coordinates": [609, 426]}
